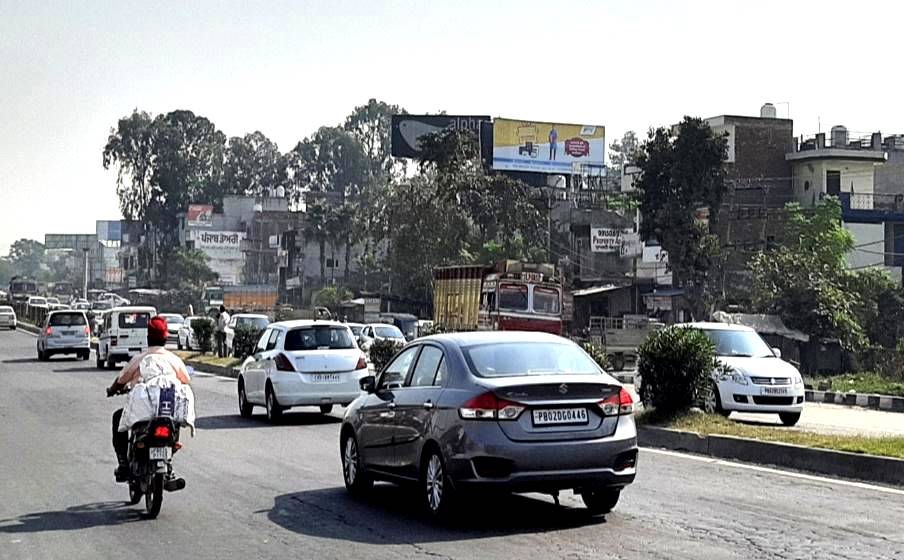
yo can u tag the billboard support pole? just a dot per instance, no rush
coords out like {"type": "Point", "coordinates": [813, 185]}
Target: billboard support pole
{"type": "Point", "coordinates": [85, 286]}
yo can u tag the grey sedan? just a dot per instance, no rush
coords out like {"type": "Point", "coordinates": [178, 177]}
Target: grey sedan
{"type": "Point", "coordinates": [516, 411]}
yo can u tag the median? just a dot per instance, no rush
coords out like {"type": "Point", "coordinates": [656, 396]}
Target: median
{"type": "Point", "coordinates": [209, 363]}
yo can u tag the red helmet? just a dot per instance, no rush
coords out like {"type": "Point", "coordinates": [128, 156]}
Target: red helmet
{"type": "Point", "coordinates": [157, 331]}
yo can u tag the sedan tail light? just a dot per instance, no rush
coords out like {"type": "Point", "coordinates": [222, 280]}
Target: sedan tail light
{"type": "Point", "coordinates": [618, 404]}
{"type": "Point", "coordinates": [283, 363]}
{"type": "Point", "coordinates": [362, 363]}
{"type": "Point", "coordinates": [490, 407]}
{"type": "Point", "coordinates": [49, 331]}
{"type": "Point", "coordinates": [87, 331]}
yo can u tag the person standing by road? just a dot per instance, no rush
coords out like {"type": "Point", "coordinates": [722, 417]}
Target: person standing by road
{"type": "Point", "coordinates": [553, 140]}
{"type": "Point", "coordinates": [222, 321]}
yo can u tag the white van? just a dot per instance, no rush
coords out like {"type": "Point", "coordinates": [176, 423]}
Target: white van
{"type": "Point", "coordinates": [123, 335]}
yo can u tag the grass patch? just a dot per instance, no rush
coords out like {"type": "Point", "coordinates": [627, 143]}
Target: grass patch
{"type": "Point", "coordinates": [711, 424]}
{"type": "Point", "coordinates": [208, 359]}
{"type": "Point", "coordinates": [863, 383]}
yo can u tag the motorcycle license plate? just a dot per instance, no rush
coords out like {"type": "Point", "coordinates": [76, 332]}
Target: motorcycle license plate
{"type": "Point", "coordinates": [160, 453]}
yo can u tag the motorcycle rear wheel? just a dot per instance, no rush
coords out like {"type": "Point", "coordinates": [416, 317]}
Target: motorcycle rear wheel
{"type": "Point", "coordinates": [135, 493]}
{"type": "Point", "coordinates": [153, 498]}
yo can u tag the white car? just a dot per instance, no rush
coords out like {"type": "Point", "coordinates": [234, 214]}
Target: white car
{"type": "Point", "coordinates": [380, 331]}
{"type": "Point", "coordinates": [114, 300]}
{"type": "Point", "coordinates": [187, 339]}
{"type": "Point", "coordinates": [37, 301]}
{"type": "Point", "coordinates": [758, 379]}
{"type": "Point", "coordinates": [253, 320]}
{"type": "Point", "coordinates": [301, 363]}
{"type": "Point", "coordinates": [173, 324]}
{"type": "Point", "coordinates": [7, 317]}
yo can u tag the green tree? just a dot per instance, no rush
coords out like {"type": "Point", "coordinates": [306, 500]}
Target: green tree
{"type": "Point", "coordinates": [7, 271]}
{"type": "Point", "coordinates": [26, 257]}
{"type": "Point", "coordinates": [624, 151]}
{"type": "Point", "coordinates": [253, 164]}
{"type": "Point", "coordinates": [878, 305]}
{"type": "Point", "coordinates": [188, 268]}
{"type": "Point", "coordinates": [330, 297]}
{"type": "Point", "coordinates": [680, 171]}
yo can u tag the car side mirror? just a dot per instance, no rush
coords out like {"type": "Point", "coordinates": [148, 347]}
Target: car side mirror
{"type": "Point", "coordinates": [777, 352]}
{"type": "Point", "coordinates": [368, 383]}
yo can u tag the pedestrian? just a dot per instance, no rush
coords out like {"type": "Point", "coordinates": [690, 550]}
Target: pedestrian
{"type": "Point", "coordinates": [222, 321]}
{"type": "Point", "coordinates": [553, 141]}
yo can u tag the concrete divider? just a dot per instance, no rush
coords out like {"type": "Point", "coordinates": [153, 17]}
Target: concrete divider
{"type": "Point", "coordinates": [870, 468]}
{"type": "Point", "coordinates": [213, 369]}
{"type": "Point", "coordinates": [874, 402]}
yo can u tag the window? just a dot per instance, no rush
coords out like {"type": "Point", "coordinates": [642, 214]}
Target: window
{"type": "Point", "coordinates": [510, 359]}
{"type": "Point", "coordinates": [426, 367]}
{"type": "Point", "coordinates": [388, 331]}
{"type": "Point", "coordinates": [264, 339]}
{"type": "Point", "coordinates": [441, 373]}
{"type": "Point", "coordinates": [546, 300]}
{"type": "Point", "coordinates": [323, 337]}
{"type": "Point", "coordinates": [488, 301]}
{"type": "Point", "coordinates": [251, 322]}
{"type": "Point", "coordinates": [513, 297]}
{"type": "Point", "coordinates": [833, 183]}
{"type": "Point", "coordinates": [739, 343]}
{"type": "Point", "coordinates": [134, 320]}
{"type": "Point", "coordinates": [274, 338]}
{"type": "Point", "coordinates": [67, 320]}
{"type": "Point", "coordinates": [396, 372]}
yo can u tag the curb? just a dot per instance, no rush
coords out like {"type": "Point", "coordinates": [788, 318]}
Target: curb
{"type": "Point", "coordinates": [874, 402]}
{"type": "Point", "coordinates": [841, 464]}
{"type": "Point", "coordinates": [215, 370]}
{"type": "Point", "coordinates": [627, 378]}
{"type": "Point", "coordinates": [27, 327]}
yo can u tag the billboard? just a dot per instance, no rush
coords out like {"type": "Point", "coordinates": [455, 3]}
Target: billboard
{"type": "Point", "coordinates": [608, 240]}
{"type": "Point", "coordinates": [407, 130]}
{"type": "Point", "coordinates": [74, 241]}
{"type": "Point", "coordinates": [108, 230]}
{"type": "Point", "coordinates": [199, 215]}
{"type": "Point", "coordinates": [225, 240]}
{"type": "Point", "coordinates": [543, 147]}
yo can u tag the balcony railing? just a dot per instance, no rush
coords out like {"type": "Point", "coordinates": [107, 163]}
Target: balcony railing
{"type": "Point", "coordinates": [872, 207]}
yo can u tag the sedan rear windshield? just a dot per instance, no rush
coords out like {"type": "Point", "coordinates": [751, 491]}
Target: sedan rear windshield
{"type": "Point", "coordinates": [134, 320]}
{"type": "Point", "coordinates": [254, 323]}
{"type": "Point", "coordinates": [319, 338]}
{"type": "Point", "coordinates": [509, 359]}
{"type": "Point", "coordinates": [5, 309]}
{"type": "Point", "coordinates": [388, 332]}
{"type": "Point", "coordinates": [175, 319]}
{"type": "Point", "coordinates": [67, 319]}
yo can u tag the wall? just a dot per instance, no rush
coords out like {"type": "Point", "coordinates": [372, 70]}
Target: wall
{"type": "Point", "coordinates": [871, 242]}
{"type": "Point", "coordinates": [856, 177]}
{"type": "Point", "coordinates": [890, 176]}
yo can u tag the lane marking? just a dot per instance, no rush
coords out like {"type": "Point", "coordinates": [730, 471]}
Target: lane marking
{"type": "Point", "coordinates": [769, 470]}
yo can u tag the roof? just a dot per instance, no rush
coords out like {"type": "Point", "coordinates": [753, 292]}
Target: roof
{"type": "Point", "coordinates": [763, 324]}
{"type": "Point", "coordinates": [474, 338]}
{"type": "Point", "coordinates": [667, 292]}
{"type": "Point", "coordinates": [128, 308]}
{"type": "Point", "coordinates": [710, 326]}
{"type": "Point", "coordinates": [252, 315]}
{"type": "Point", "coordinates": [296, 323]}
{"type": "Point", "coordinates": [593, 290]}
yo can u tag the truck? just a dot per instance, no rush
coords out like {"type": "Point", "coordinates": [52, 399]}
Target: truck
{"type": "Point", "coordinates": [621, 337]}
{"type": "Point", "coordinates": [260, 297]}
{"type": "Point", "coordinates": [21, 288]}
{"type": "Point", "coordinates": [508, 295]}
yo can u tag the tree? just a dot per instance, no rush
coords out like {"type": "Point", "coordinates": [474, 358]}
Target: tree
{"type": "Point", "coordinates": [253, 164]}
{"type": "Point", "coordinates": [7, 271]}
{"type": "Point", "coordinates": [681, 171]}
{"type": "Point", "coordinates": [188, 268]}
{"type": "Point", "coordinates": [371, 126]}
{"type": "Point", "coordinates": [624, 152]}
{"type": "Point", "coordinates": [806, 281]}
{"type": "Point", "coordinates": [26, 257]}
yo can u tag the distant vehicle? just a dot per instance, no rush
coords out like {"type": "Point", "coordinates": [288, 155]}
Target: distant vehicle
{"type": "Point", "coordinates": [509, 411]}
{"type": "Point", "coordinates": [356, 329]}
{"type": "Point", "coordinates": [65, 332]}
{"type": "Point", "coordinates": [379, 331]}
{"type": "Point", "coordinates": [423, 326]}
{"type": "Point", "coordinates": [301, 363]}
{"type": "Point", "coordinates": [21, 288]}
{"type": "Point", "coordinates": [101, 305]}
{"type": "Point", "coordinates": [507, 296]}
{"type": "Point", "coordinates": [187, 339]}
{"type": "Point", "coordinates": [63, 289]}
{"type": "Point", "coordinates": [250, 298]}
{"type": "Point", "coordinates": [124, 334]}
{"type": "Point", "coordinates": [405, 322]}
{"type": "Point", "coordinates": [93, 294]}
{"type": "Point", "coordinates": [53, 301]}
{"type": "Point", "coordinates": [173, 324]}
{"type": "Point", "coordinates": [252, 320]}
{"type": "Point", "coordinates": [114, 299]}
{"type": "Point", "coordinates": [8, 317]}
{"type": "Point", "coordinates": [81, 306]}
{"type": "Point", "coordinates": [37, 302]}
{"type": "Point", "coordinates": [59, 307]}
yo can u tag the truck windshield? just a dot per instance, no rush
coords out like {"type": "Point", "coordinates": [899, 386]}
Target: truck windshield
{"type": "Point", "coordinates": [546, 300]}
{"type": "Point", "coordinates": [513, 297]}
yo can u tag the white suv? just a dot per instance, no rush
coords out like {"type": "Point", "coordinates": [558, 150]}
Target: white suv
{"type": "Point", "coordinates": [301, 363]}
{"type": "Point", "coordinates": [758, 379]}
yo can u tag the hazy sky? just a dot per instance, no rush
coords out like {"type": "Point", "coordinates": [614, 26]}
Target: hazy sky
{"type": "Point", "coordinates": [69, 70]}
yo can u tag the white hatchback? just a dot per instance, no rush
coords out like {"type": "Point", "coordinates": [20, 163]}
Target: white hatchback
{"type": "Point", "coordinates": [301, 363]}
{"type": "Point", "coordinates": [757, 379]}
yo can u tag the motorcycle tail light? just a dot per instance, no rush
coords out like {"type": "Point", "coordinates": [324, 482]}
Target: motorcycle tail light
{"type": "Point", "coordinates": [162, 432]}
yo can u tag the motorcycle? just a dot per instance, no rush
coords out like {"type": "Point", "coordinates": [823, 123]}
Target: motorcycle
{"type": "Point", "coordinates": [152, 445]}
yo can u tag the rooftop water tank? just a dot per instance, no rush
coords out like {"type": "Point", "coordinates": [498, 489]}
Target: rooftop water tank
{"type": "Point", "coordinates": [839, 136]}
{"type": "Point", "coordinates": [767, 111]}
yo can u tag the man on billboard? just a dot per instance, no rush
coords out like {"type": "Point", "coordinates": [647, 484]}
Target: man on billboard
{"type": "Point", "coordinates": [553, 137]}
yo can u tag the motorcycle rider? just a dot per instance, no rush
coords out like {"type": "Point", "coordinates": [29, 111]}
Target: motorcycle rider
{"type": "Point", "coordinates": [131, 374]}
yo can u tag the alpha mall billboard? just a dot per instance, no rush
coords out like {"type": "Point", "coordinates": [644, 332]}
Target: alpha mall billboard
{"type": "Point", "coordinates": [544, 147]}
{"type": "Point", "coordinates": [408, 130]}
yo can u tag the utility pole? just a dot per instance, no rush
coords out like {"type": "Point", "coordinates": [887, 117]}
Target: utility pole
{"type": "Point", "coordinates": [85, 287]}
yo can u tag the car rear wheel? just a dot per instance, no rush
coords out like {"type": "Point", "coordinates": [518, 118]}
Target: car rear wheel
{"type": "Point", "coordinates": [274, 411]}
{"type": "Point", "coordinates": [246, 409]}
{"type": "Point", "coordinates": [789, 418]}
{"type": "Point", "coordinates": [357, 481]}
{"type": "Point", "coordinates": [179, 344]}
{"type": "Point", "coordinates": [100, 362]}
{"type": "Point", "coordinates": [600, 501]}
{"type": "Point", "coordinates": [436, 490]}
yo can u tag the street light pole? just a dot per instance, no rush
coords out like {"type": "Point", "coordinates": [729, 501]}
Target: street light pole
{"type": "Point", "coordinates": [85, 287]}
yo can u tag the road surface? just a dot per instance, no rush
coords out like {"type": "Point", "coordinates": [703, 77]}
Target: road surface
{"type": "Point", "coordinates": [256, 491]}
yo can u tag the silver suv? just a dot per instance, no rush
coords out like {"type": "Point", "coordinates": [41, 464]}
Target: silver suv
{"type": "Point", "coordinates": [65, 332]}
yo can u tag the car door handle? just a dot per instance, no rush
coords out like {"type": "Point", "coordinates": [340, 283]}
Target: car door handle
{"type": "Point", "coordinates": [428, 405]}
{"type": "Point", "coordinates": [389, 414]}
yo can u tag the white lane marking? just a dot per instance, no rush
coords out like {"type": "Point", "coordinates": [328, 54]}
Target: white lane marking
{"type": "Point", "coordinates": [790, 474]}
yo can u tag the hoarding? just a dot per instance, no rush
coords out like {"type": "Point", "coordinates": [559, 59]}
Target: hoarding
{"type": "Point", "coordinates": [407, 130]}
{"type": "Point", "coordinates": [607, 240]}
{"type": "Point", "coordinates": [74, 241]}
{"type": "Point", "coordinates": [544, 147]}
{"type": "Point", "coordinates": [108, 230]}
{"type": "Point", "coordinates": [225, 240]}
{"type": "Point", "coordinates": [631, 246]}
{"type": "Point", "coordinates": [199, 215]}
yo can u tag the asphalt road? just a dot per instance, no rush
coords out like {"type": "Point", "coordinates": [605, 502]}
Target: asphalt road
{"type": "Point", "coordinates": [257, 491]}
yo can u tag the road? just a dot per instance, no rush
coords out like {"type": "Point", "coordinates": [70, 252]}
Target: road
{"type": "Point", "coordinates": [259, 491]}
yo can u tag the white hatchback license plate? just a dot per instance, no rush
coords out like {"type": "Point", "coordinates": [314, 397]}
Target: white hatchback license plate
{"type": "Point", "coordinates": [326, 378]}
{"type": "Point", "coordinates": [560, 416]}
{"type": "Point", "coordinates": [159, 453]}
{"type": "Point", "coordinates": [775, 391]}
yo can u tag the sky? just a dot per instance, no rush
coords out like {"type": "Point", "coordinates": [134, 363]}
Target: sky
{"type": "Point", "coordinates": [70, 70]}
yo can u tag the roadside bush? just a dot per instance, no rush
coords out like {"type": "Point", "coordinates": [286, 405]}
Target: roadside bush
{"type": "Point", "coordinates": [203, 330]}
{"type": "Point", "coordinates": [244, 341]}
{"type": "Point", "coordinates": [598, 353]}
{"type": "Point", "coordinates": [381, 351]}
{"type": "Point", "coordinates": [675, 365]}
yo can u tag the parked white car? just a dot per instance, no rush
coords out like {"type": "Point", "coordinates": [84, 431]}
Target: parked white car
{"type": "Point", "coordinates": [380, 331]}
{"type": "Point", "coordinates": [758, 379]}
{"type": "Point", "coordinates": [173, 324]}
{"type": "Point", "coordinates": [8, 317]}
{"type": "Point", "coordinates": [301, 363]}
{"type": "Point", "coordinates": [254, 320]}
{"type": "Point", "coordinates": [187, 339]}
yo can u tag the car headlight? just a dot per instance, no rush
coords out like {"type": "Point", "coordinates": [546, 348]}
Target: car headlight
{"type": "Point", "coordinates": [739, 378]}
{"type": "Point", "coordinates": [798, 380]}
